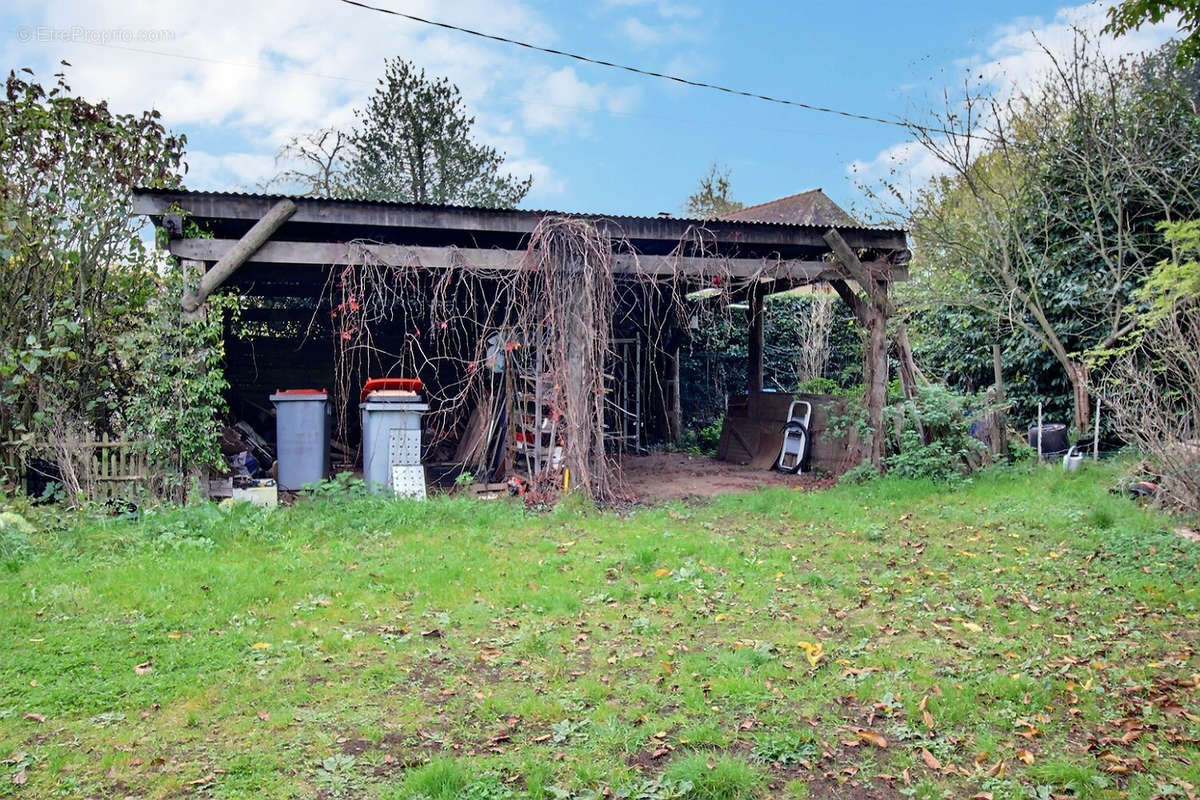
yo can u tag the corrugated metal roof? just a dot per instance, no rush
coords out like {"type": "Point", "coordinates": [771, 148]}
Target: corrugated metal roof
{"type": "Point", "coordinates": [813, 207]}
{"type": "Point", "coordinates": [531, 212]}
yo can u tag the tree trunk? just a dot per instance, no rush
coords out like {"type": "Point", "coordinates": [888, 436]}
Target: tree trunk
{"type": "Point", "coordinates": [1077, 372]}
{"type": "Point", "coordinates": [999, 426]}
{"type": "Point", "coordinates": [875, 375]}
{"type": "Point", "coordinates": [675, 418]}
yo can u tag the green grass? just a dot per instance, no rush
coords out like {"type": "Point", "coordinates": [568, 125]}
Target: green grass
{"type": "Point", "coordinates": [468, 649]}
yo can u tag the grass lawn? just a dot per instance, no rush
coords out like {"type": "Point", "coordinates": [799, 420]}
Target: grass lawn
{"type": "Point", "coordinates": [1026, 635]}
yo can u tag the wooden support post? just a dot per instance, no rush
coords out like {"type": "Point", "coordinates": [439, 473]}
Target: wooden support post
{"type": "Point", "coordinates": [676, 416]}
{"type": "Point", "coordinates": [1039, 433]}
{"type": "Point", "coordinates": [872, 313]}
{"type": "Point", "coordinates": [1000, 417]}
{"type": "Point", "coordinates": [237, 255]}
{"type": "Point", "coordinates": [754, 344]}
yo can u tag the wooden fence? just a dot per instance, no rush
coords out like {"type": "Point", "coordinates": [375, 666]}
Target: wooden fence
{"type": "Point", "coordinates": [105, 469]}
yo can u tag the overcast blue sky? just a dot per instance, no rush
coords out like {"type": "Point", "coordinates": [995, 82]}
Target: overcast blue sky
{"type": "Point", "coordinates": [239, 77]}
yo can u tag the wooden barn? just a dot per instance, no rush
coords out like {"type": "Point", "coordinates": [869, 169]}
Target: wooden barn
{"type": "Point", "coordinates": [560, 321]}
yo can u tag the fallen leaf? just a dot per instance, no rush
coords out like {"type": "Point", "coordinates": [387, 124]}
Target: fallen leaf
{"type": "Point", "coordinates": [261, 646]}
{"type": "Point", "coordinates": [661, 573]}
{"type": "Point", "coordinates": [20, 778]}
{"type": "Point", "coordinates": [874, 738]}
{"type": "Point", "coordinates": [930, 759]}
{"type": "Point", "coordinates": [1025, 756]}
{"type": "Point", "coordinates": [143, 668]}
{"type": "Point", "coordinates": [264, 716]}
{"type": "Point", "coordinates": [973, 627]}
{"type": "Point", "coordinates": [813, 651]}
{"type": "Point", "coordinates": [35, 717]}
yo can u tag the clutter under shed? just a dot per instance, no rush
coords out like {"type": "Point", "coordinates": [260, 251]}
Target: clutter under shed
{"type": "Point", "coordinates": [545, 346]}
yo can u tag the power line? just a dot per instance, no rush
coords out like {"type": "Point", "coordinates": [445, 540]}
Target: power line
{"type": "Point", "coordinates": [651, 73]}
{"type": "Point", "coordinates": [326, 76]}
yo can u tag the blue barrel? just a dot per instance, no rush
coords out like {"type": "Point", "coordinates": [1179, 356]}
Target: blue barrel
{"type": "Point", "coordinates": [301, 437]}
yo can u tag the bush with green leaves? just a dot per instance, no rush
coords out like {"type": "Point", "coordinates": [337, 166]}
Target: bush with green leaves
{"type": "Point", "coordinates": [92, 341]}
{"type": "Point", "coordinates": [76, 275]}
{"type": "Point", "coordinates": [927, 436]}
{"type": "Point", "coordinates": [176, 401]}
{"type": "Point", "coordinates": [933, 439]}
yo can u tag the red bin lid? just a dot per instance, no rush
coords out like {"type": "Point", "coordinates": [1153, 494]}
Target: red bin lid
{"type": "Point", "coordinates": [300, 391]}
{"type": "Point", "coordinates": [390, 385]}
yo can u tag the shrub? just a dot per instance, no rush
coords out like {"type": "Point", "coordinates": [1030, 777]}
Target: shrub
{"type": "Point", "coordinates": [1151, 383]}
{"type": "Point", "coordinates": [933, 440]}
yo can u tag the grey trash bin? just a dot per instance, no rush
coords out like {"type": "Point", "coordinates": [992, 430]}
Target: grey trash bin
{"type": "Point", "coordinates": [392, 439]}
{"type": "Point", "coordinates": [301, 437]}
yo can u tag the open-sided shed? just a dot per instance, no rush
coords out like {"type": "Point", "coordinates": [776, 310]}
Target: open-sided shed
{"type": "Point", "coordinates": [592, 305]}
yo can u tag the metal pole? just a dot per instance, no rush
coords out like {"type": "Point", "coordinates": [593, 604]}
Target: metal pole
{"type": "Point", "coordinates": [1039, 432]}
{"type": "Point", "coordinates": [1096, 435]}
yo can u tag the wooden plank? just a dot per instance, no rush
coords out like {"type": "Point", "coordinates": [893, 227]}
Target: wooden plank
{"type": "Point", "coordinates": [236, 255]}
{"type": "Point", "coordinates": [866, 278]}
{"type": "Point", "coordinates": [339, 253]}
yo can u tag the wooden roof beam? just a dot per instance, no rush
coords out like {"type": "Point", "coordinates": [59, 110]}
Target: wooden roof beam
{"type": "Point", "coordinates": [338, 254]}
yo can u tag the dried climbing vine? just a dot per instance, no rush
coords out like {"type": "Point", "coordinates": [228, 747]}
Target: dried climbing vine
{"type": "Point", "coordinates": [540, 325]}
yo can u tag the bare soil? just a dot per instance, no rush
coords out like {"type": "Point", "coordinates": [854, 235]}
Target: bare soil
{"type": "Point", "coordinates": [663, 476]}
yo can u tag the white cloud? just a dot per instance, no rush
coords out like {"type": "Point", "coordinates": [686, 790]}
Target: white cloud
{"type": "Point", "coordinates": [663, 8]}
{"type": "Point", "coordinates": [1022, 51]}
{"type": "Point", "coordinates": [641, 34]}
{"type": "Point", "coordinates": [907, 166]}
{"type": "Point", "coordinates": [1018, 54]}
{"type": "Point", "coordinates": [228, 171]}
{"type": "Point", "coordinates": [552, 101]}
{"type": "Point", "coordinates": [246, 76]}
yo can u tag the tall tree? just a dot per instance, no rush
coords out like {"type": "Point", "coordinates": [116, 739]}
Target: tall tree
{"type": "Point", "coordinates": [711, 198]}
{"type": "Point", "coordinates": [1045, 234]}
{"type": "Point", "coordinates": [413, 143]}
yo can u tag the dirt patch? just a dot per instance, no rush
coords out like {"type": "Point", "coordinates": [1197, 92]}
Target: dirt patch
{"type": "Point", "coordinates": [824, 788]}
{"type": "Point", "coordinates": [662, 476]}
{"type": "Point", "coordinates": [356, 747]}
{"type": "Point", "coordinates": [650, 759]}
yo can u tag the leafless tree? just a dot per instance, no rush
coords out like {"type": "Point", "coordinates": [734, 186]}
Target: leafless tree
{"type": "Point", "coordinates": [314, 164]}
